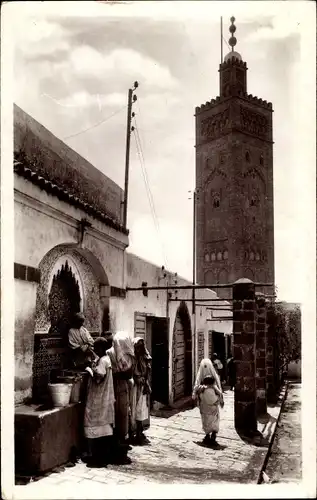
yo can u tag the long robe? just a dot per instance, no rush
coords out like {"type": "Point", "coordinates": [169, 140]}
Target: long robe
{"type": "Point", "coordinates": [209, 409]}
{"type": "Point", "coordinates": [122, 360]}
{"type": "Point", "coordinates": [99, 415]}
{"type": "Point", "coordinates": [140, 407]}
{"type": "Point", "coordinates": [206, 369]}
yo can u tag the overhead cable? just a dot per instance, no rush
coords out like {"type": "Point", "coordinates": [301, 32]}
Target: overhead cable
{"type": "Point", "coordinates": [96, 124]}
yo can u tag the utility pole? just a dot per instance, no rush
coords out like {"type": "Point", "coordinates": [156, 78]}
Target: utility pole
{"type": "Point", "coordinates": [131, 99]}
{"type": "Point", "coordinates": [194, 248]}
{"type": "Point", "coordinates": [221, 41]}
{"type": "Point", "coordinates": [194, 278]}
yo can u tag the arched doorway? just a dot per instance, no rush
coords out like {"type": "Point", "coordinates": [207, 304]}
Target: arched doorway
{"type": "Point", "coordinates": [182, 353]}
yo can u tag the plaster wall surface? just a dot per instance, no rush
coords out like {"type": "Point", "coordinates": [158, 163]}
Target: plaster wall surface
{"type": "Point", "coordinates": [46, 230]}
{"type": "Point", "coordinates": [46, 233]}
{"type": "Point", "coordinates": [25, 298]}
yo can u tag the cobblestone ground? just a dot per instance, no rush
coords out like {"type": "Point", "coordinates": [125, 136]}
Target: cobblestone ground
{"type": "Point", "coordinates": [285, 462]}
{"type": "Point", "coordinates": [175, 455]}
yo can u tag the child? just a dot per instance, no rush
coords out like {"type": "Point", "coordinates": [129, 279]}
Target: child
{"type": "Point", "coordinates": [209, 399]}
{"type": "Point", "coordinates": [99, 410]}
{"type": "Point", "coordinates": [81, 343]}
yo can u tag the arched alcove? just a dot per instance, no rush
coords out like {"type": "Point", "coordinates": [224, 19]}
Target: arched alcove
{"type": "Point", "coordinates": [72, 280]}
{"type": "Point", "coordinates": [64, 300]}
{"type": "Point", "coordinates": [182, 353]}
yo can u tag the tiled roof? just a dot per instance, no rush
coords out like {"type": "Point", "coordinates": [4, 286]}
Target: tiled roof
{"type": "Point", "coordinates": [25, 170]}
{"type": "Point", "coordinates": [53, 165]}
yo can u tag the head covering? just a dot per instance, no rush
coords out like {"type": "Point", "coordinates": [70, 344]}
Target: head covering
{"type": "Point", "coordinates": [122, 352]}
{"type": "Point", "coordinates": [79, 315]}
{"type": "Point", "coordinates": [206, 368]}
{"type": "Point", "coordinates": [146, 354]}
{"type": "Point", "coordinates": [100, 342]}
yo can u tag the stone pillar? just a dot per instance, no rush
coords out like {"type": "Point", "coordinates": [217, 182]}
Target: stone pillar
{"type": "Point", "coordinates": [270, 343]}
{"type": "Point", "coordinates": [244, 354]}
{"type": "Point", "coordinates": [260, 351]}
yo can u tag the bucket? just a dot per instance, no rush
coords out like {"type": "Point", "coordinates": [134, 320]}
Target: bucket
{"type": "Point", "coordinates": [76, 390]}
{"type": "Point", "coordinates": [60, 394]}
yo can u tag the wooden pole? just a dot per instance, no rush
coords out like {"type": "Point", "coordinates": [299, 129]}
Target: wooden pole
{"type": "Point", "coordinates": [127, 160]}
{"type": "Point", "coordinates": [221, 41]}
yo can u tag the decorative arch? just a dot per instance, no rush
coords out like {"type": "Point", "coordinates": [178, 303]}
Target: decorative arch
{"type": "Point", "coordinates": [210, 277]}
{"type": "Point", "coordinates": [64, 299]}
{"type": "Point", "coordinates": [182, 353]}
{"type": "Point", "coordinates": [68, 262]}
{"type": "Point", "coordinates": [223, 276]}
{"type": "Point", "coordinates": [74, 277]}
{"type": "Point", "coordinates": [254, 173]}
{"type": "Point", "coordinates": [248, 273]}
{"type": "Point", "coordinates": [88, 274]}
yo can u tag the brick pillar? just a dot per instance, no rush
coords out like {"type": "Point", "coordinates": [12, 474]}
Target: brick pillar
{"type": "Point", "coordinates": [244, 354]}
{"type": "Point", "coordinates": [260, 354]}
{"type": "Point", "coordinates": [270, 344]}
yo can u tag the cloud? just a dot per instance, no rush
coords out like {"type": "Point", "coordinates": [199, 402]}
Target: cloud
{"type": "Point", "coordinates": [281, 26]}
{"type": "Point", "coordinates": [39, 39]}
{"type": "Point", "coordinates": [87, 61]}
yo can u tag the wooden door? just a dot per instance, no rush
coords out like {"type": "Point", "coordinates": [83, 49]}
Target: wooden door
{"type": "Point", "coordinates": [210, 346]}
{"type": "Point", "coordinates": [201, 347]}
{"type": "Point", "coordinates": [159, 352]}
{"type": "Point", "coordinates": [140, 325]}
{"type": "Point", "coordinates": [179, 359]}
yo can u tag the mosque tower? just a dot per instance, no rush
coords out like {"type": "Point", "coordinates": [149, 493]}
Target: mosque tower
{"type": "Point", "coordinates": [234, 181]}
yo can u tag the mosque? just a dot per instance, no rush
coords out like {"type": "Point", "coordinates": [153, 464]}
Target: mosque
{"type": "Point", "coordinates": [71, 248]}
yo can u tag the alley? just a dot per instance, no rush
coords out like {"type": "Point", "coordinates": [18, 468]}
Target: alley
{"type": "Point", "coordinates": [175, 455]}
{"type": "Point", "coordinates": [285, 462]}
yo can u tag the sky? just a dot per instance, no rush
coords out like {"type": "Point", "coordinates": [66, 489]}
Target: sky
{"type": "Point", "coordinates": [73, 66]}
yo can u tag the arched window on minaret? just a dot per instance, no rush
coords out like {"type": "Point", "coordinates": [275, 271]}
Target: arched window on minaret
{"type": "Point", "coordinates": [216, 200]}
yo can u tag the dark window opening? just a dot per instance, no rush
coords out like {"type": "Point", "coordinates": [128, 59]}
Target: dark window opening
{"type": "Point", "coordinates": [216, 203]}
{"type": "Point", "coordinates": [247, 156]}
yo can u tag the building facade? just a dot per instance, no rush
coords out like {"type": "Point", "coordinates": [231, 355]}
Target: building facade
{"type": "Point", "coordinates": [234, 181]}
{"type": "Point", "coordinates": [71, 255]}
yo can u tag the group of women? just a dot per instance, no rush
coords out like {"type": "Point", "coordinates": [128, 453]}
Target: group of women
{"type": "Point", "coordinates": [117, 406]}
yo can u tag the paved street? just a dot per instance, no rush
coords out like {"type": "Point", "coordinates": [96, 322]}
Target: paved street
{"type": "Point", "coordinates": [174, 456]}
{"type": "Point", "coordinates": [285, 462]}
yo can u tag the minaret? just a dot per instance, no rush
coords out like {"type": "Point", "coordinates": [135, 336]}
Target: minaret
{"type": "Point", "coordinates": [234, 180]}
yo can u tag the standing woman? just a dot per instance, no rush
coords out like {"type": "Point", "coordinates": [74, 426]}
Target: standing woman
{"type": "Point", "coordinates": [206, 369]}
{"type": "Point", "coordinates": [140, 411]}
{"type": "Point", "coordinates": [122, 361]}
{"type": "Point", "coordinates": [99, 409]}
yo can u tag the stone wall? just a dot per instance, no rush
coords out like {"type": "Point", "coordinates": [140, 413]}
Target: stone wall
{"type": "Point", "coordinates": [155, 304]}
{"type": "Point", "coordinates": [47, 235]}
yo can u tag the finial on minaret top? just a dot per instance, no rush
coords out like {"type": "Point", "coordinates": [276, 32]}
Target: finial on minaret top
{"type": "Point", "coordinates": [232, 42]}
{"type": "Point", "coordinates": [232, 29]}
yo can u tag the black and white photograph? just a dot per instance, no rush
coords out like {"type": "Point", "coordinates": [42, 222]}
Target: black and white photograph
{"type": "Point", "coordinates": [158, 250]}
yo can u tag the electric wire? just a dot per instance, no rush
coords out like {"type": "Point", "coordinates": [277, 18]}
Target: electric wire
{"type": "Point", "coordinates": [149, 193]}
{"type": "Point", "coordinates": [147, 187]}
{"type": "Point", "coordinates": [96, 124]}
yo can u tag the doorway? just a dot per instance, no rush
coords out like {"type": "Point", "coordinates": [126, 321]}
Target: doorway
{"type": "Point", "coordinates": [182, 354]}
{"type": "Point", "coordinates": [219, 346]}
{"type": "Point", "coordinates": [154, 331]}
